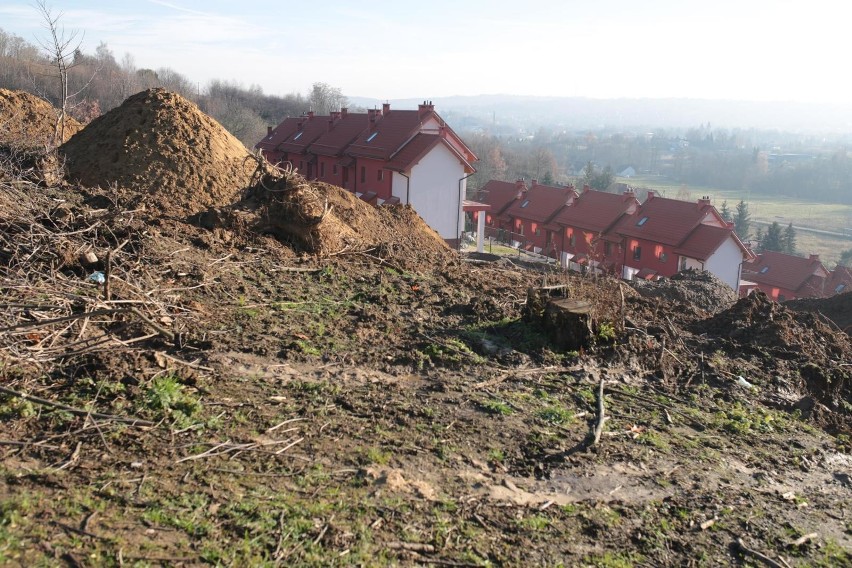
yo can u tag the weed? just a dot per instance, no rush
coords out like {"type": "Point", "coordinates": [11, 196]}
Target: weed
{"type": "Point", "coordinates": [167, 397]}
{"type": "Point", "coordinates": [555, 415]}
{"type": "Point", "coordinates": [653, 439]}
{"type": "Point", "coordinates": [606, 332]}
{"type": "Point", "coordinates": [375, 455]}
{"type": "Point", "coordinates": [614, 560]}
{"type": "Point", "coordinates": [534, 522]}
{"type": "Point", "coordinates": [496, 455]}
{"type": "Point", "coordinates": [495, 406]}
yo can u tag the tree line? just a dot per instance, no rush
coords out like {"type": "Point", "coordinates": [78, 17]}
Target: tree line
{"type": "Point", "coordinates": [98, 82]}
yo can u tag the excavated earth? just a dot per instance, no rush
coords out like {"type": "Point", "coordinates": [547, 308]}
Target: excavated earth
{"type": "Point", "coordinates": [159, 149]}
{"type": "Point", "coordinates": [27, 120]}
{"type": "Point", "coordinates": [295, 378]}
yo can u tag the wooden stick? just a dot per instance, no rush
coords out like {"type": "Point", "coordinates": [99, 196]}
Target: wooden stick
{"type": "Point", "coordinates": [602, 418]}
{"type": "Point", "coordinates": [762, 557]}
{"type": "Point", "coordinates": [65, 318]}
{"type": "Point", "coordinates": [78, 411]}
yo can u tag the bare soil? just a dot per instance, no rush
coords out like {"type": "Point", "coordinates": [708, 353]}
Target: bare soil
{"type": "Point", "coordinates": [26, 119]}
{"type": "Point", "coordinates": [160, 146]}
{"type": "Point", "coordinates": [297, 379]}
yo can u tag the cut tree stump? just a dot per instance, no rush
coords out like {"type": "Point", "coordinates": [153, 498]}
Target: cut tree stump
{"type": "Point", "coordinates": [569, 323]}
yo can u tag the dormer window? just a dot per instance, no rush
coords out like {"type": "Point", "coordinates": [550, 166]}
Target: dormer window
{"type": "Point", "coordinates": [764, 270]}
{"type": "Point", "coordinates": [642, 221]}
{"type": "Point", "coordinates": [839, 288]}
{"type": "Point", "coordinates": [371, 136]}
{"type": "Point", "coordinates": [525, 203]}
{"type": "Point", "coordinates": [297, 136]}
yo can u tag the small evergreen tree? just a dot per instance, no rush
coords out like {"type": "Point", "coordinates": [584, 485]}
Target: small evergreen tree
{"type": "Point", "coordinates": [788, 240]}
{"type": "Point", "coordinates": [846, 258]}
{"type": "Point", "coordinates": [725, 211]}
{"type": "Point", "coordinates": [742, 220]}
{"type": "Point", "coordinates": [773, 239]}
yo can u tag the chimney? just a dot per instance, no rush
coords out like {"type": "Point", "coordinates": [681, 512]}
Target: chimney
{"type": "Point", "coordinates": [704, 201]}
{"type": "Point", "coordinates": [570, 201]}
{"type": "Point", "coordinates": [343, 111]}
{"type": "Point", "coordinates": [425, 108]}
{"type": "Point", "coordinates": [814, 257]}
{"type": "Point", "coordinates": [586, 188]}
{"type": "Point", "coordinates": [651, 196]}
{"type": "Point", "coordinates": [385, 108]}
{"type": "Point", "coordinates": [268, 130]}
{"type": "Point", "coordinates": [310, 115]}
{"type": "Point", "coordinates": [533, 183]}
{"type": "Point", "coordinates": [629, 194]}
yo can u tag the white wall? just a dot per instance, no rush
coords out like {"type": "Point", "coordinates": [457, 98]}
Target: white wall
{"type": "Point", "coordinates": [725, 263]}
{"type": "Point", "coordinates": [434, 190]}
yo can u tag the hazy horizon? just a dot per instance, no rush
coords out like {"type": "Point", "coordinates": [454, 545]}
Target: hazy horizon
{"type": "Point", "coordinates": [761, 51]}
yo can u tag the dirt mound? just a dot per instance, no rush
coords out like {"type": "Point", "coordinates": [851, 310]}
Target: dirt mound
{"type": "Point", "coordinates": [162, 147]}
{"type": "Point", "coordinates": [326, 220]}
{"type": "Point", "coordinates": [696, 288]}
{"type": "Point", "coordinates": [30, 121]}
{"type": "Point", "coordinates": [807, 342]}
{"type": "Point", "coordinates": [836, 308]}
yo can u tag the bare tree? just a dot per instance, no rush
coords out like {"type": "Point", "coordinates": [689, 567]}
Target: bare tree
{"type": "Point", "coordinates": [324, 98]}
{"type": "Point", "coordinates": [60, 47]}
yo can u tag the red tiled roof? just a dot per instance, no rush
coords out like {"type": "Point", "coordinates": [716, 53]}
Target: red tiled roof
{"type": "Point", "coordinates": [667, 221]}
{"type": "Point", "coordinates": [840, 276]}
{"type": "Point", "coordinates": [594, 211]}
{"type": "Point", "coordinates": [279, 134]}
{"type": "Point", "coordinates": [344, 130]}
{"type": "Point", "coordinates": [499, 195]}
{"type": "Point", "coordinates": [414, 150]}
{"type": "Point", "coordinates": [387, 135]}
{"type": "Point", "coordinates": [783, 270]}
{"type": "Point", "coordinates": [299, 140]}
{"type": "Point", "coordinates": [704, 240]}
{"type": "Point", "coordinates": [540, 203]}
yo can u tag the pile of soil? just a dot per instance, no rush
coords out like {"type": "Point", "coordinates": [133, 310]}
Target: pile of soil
{"type": "Point", "coordinates": [164, 149]}
{"type": "Point", "coordinates": [327, 220]}
{"type": "Point", "coordinates": [696, 288]}
{"type": "Point", "coordinates": [28, 121]}
{"type": "Point", "coordinates": [836, 308]}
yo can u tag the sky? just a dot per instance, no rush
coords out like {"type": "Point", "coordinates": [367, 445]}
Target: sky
{"type": "Point", "coordinates": [761, 50]}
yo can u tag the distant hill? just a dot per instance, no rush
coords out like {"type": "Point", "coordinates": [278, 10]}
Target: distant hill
{"type": "Point", "coordinates": [529, 113]}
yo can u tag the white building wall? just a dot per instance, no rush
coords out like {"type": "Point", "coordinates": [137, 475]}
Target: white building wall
{"type": "Point", "coordinates": [434, 191]}
{"type": "Point", "coordinates": [725, 263]}
{"type": "Point", "coordinates": [399, 187]}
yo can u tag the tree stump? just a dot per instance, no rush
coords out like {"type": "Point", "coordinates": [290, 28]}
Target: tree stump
{"type": "Point", "coordinates": [569, 323]}
{"type": "Point", "coordinates": [538, 298]}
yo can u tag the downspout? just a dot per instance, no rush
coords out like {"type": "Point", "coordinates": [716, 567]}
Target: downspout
{"type": "Point", "coordinates": [407, 188]}
{"type": "Point", "coordinates": [458, 213]}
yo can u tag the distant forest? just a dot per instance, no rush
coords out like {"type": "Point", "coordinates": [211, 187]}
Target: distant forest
{"type": "Point", "coordinates": [761, 161]}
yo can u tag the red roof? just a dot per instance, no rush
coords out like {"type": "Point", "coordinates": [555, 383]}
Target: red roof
{"type": "Point", "coordinates": [666, 221]}
{"type": "Point", "coordinates": [704, 240]}
{"type": "Point", "coordinates": [279, 134]}
{"type": "Point", "coordinates": [499, 194]}
{"type": "Point", "coordinates": [781, 270]}
{"type": "Point", "coordinates": [594, 211]}
{"type": "Point", "coordinates": [840, 280]}
{"type": "Point", "coordinates": [344, 130]}
{"type": "Point", "coordinates": [540, 202]}
{"type": "Point", "coordinates": [298, 141]}
{"type": "Point", "coordinates": [412, 152]}
{"type": "Point", "coordinates": [387, 134]}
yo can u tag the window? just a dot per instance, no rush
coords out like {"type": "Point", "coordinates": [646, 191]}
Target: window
{"type": "Point", "coordinates": [322, 169]}
{"type": "Point", "coordinates": [572, 240]}
{"type": "Point", "coordinates": [607, 248]}
{"type": "Point", "coordinates": [525, 203]}
{"type": "Point", "coordinates": [371, 136]}
{"type": "Point", "coordinates": [381, 175]}
{"type": "Point", "coordinates": [363, 174]}
{"type": "Point", "coordinates": [642, 221]}
{"type": "Point", "coordinates": [537, 232]}
{"type": "Point", "coordinates": [637, 252]}
{"type": "Point", "coordinates": [297, 136]}
{"type": "Point", "coordinates": [663, 257]}
{"type": "Point", "coordinates": [764, 270]}
{"type": "Point", "coordinates": [839, 288]}
{"type": "Point", "coordinates": [334, 170]}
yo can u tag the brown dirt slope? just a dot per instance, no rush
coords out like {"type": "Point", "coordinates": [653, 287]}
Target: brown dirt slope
{"type": "Point", "coordinates": [161, 145]}
{"type": "Point", "coordinates": [27, 120]}
{"type": "Point", "coordinates": [327, 220]}
{"type": "Point", "coordinates": [836, 308]}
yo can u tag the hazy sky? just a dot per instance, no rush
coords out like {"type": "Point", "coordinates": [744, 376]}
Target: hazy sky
{"type": "Point", "coordinates": [719, 49]}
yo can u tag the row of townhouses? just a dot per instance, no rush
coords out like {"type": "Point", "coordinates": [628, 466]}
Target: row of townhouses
{"type": "Point", "coordinates": [384, 156]}
{"type": "Point", "coordinates": [615, 233]}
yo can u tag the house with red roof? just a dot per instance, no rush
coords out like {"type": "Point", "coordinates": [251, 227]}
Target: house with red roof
{"type": "Point", "coordinates": [840, 280]}
{"type": "Point", "coordinates": [524, 213]}
{"type": "Point", "coordinates": [785, 276]}
{"type": "Point", "coordinates": [385, 156]}
{"type": "Point", "coordinates": [582, 229]}
{"type": "Point", "coordinates": [664, 236]}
